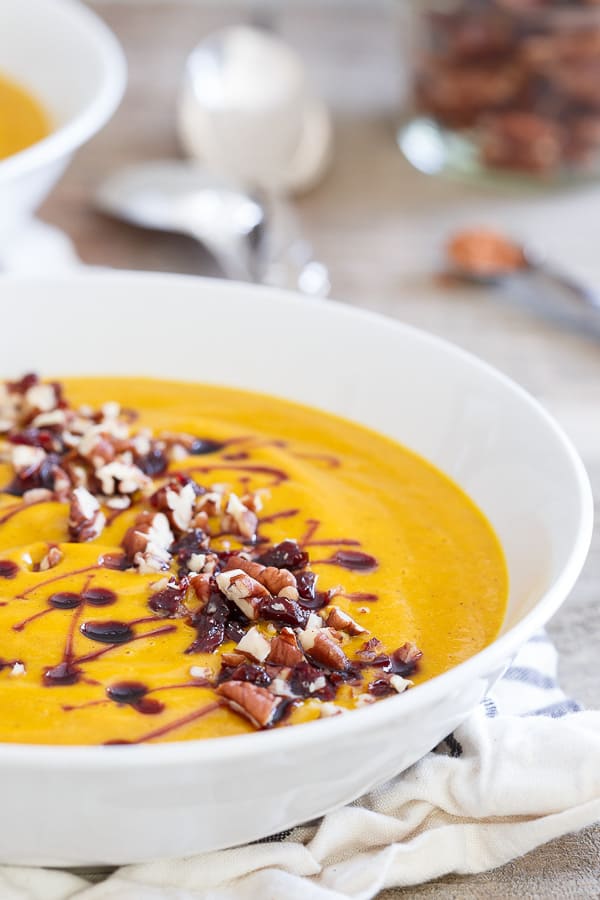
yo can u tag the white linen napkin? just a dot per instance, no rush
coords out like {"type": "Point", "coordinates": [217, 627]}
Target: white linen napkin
{"type": "Point", "coordinates": [523, 769]}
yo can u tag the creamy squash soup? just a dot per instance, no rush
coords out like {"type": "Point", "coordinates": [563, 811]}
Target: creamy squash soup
{"type": "Point", "coordinates": [182, 561]}
{"type": "Point", "coordinates": [23, 120]}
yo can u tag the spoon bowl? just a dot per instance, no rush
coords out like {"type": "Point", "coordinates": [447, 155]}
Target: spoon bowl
{"type": "Point", "coordinates": [184, 198]}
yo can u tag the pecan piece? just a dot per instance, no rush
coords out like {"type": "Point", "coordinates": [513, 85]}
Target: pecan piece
{"type": "Point", "coordinates": [253, 569]}
{"type": "Point", "coordinates": [341, 621]}
{"type": "Point", "coordinates": [176, 501]}
{"type": "Point", "coordinates": [238, 519]}
{"type": "Point", "coordinates": [243, 590]}
{"type": "Point", "coordinates": [256, 704]}
{"type": "Point", "coordinates": [278, 582]}
{"type": "Point", "coordinates": [53, 557]}
{"type": "Point", "coordinates": [254, 645]}
{"type": "Point", "coordinates": [370, 650]}
{"type": "Point", "coordinates": [148, 541]}
{"type": "Point", "coordinates": [285, 650]}
{"type": "Point", "coordinates": [326, 651]}
{"type": "Point", "coordinates": [202, 586]}
{"type": "Point", "coordinates": [86, 520]}
{"type": "Point", "coordinates": [408, 653]}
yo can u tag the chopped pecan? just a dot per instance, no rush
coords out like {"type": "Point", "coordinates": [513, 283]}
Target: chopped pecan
{"type": "Point", "coordinates": [210, 503]}
{"type": "Point", "coordinates": [255, 645]}
{"type": "Point", "coordinates": [408, 652]}
{"type": "Point", "coordinates": [176, 501]}
{"type": "Point", "coordinates": [243, 590]}
{"type": "Point", "coordinates": [52, 558]}
{"type": "Point", "coordinates": [370, 650]}
{"type": "Point", "coordinates": [238, 519]}
{"type": "Point", "coordinates": [340, 620]}
{"type": "Point", "coordinates": [201, 585]}
{"type": "Point", "coordinates": [278, 582]}
{"type": "Point", "coordinates": [136, 537]}
{"type": "Point", "coordinates": [254, 569]}
{"type": "Point", "coordinates": [38, 495]}
{"type": "Point", "coordinates": [121, 478]}
{"type": "Point", "coordinates": [326, 651]}
{"type": "Point", "coordinates": [27, 460]}
{"type": "Point", "coordinates": [86, 520]}
{"type": "Point", "coordinates": [257, 704]}
{"type": "Point", "coordinates": [285, 650]}
{"type": "Point", "coordinates": [233, 659]}
{"type": "Point", "coordinates": [148, 541]}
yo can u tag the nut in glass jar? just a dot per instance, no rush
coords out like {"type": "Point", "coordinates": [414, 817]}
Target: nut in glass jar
{"type": "Point", "coordinates": [506, 85]}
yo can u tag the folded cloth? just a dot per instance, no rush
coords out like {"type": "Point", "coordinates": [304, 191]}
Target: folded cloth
{"type": "Point", "coordinates": [523, 769]}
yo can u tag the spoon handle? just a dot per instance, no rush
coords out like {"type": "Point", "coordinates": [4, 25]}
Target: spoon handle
{"type": "Point", "coordinates": [558, 297]}
{"type": "Point", "coordinates": [286, 255]}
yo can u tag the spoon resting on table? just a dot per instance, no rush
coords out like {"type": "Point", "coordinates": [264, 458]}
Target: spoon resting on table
{"type": "Point", "coordinates": [486, 257]}
{"type": "Point", "coordinates": [245, 237]}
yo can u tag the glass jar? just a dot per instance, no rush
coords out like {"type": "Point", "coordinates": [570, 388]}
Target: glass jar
{"type": "Point", "coordinates": [505, 86]}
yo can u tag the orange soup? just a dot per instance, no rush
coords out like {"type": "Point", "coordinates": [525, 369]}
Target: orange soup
{"type": "Point", "coordinates": [182, 561]}
{"type": "Point", "coordinates": [23, 120]}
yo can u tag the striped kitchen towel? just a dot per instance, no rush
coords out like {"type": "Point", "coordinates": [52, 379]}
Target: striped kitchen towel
{"type": "Point", "coordinates": [523, 769]}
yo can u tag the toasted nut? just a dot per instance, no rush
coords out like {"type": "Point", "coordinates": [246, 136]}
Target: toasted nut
{"type": "Point", "coordinates": [37, 495]}
{"type": "Point", "coordinates": [201, 586]}
{"type": "Point", "coordinates": [370, 649]}
{"type": "Point", "coordinates": [339, 619]}
{"type": "Point", "coordinates": [253, 644]}
{"type": "Point", "coordinates": [238, 519]}
{"type": "Point", "coordinates": [233, 659]}
{"type": "Point", "coordinates": [326, 710]}
{"type": "Point", "coordinates": [408, 653]}
{"type": "Point", "coordinates": [147, 542]}
{"type": "Point", "coordinates": [279, 582]}
{"type": "Point", "coordinates": [285, 650]}
{"type": "Point", "coordinates": [399, 683]}
{"type": "Point", "coordinates": [253, 569]}
{"type": "Point", "coordinates": [53, 557]}
{"type": "Point", "coordinates": [326, 651]}
{"type": "Point", "coordinates": [244, 591]}
{"type": "Point", "coordinates": [86, 520]}
{"type": "Point", "coordinates": [177, 502]}
{"type": "Point", "coordinates": [258, 705]}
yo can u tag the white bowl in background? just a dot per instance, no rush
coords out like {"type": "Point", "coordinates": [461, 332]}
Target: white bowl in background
{"type": "Point", "coordinates": [67, 57]}
{"type": "Point", "coordinates": [95, 805]}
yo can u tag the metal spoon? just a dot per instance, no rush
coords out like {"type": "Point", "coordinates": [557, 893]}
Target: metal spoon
{"type": "Point", "coordinates": [250, 240]}
{"type": "Point", "coordinates": [247, 111]}
{"type": "Point", "coordinates": [523, 276]}
{"type": "Point", "coordinates": [182, 197]}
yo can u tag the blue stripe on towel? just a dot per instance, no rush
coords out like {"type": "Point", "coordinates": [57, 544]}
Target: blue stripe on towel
{"type": "Point", "coordinates": [530, 676]}
{"type": "Point", "coordinates": [490, 708]}
{"type": "Point", "coordinates": [557, 710]}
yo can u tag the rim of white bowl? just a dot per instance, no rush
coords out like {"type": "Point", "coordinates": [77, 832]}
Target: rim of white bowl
{"type": "Point", "coordinates": [492, 657]}
{"type": "Point", "coordinates": [63, 141]}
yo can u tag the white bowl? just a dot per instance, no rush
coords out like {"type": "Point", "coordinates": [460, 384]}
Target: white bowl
{"type": "Point", "coordinates": [94, 805]}
{"type": "Point", "coordinates": [72, 63]}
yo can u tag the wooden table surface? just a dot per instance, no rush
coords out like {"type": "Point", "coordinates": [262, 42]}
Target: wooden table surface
{"type": "Point", "coordinates": [379, 227]}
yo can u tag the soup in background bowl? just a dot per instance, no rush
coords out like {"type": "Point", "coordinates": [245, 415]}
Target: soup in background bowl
{"type": "Point", "coordinates": [479, 430]}
{"type": "Point", "coordinates": [23, 119]}
{"type": "Point", "coordinates": [66, 60]}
